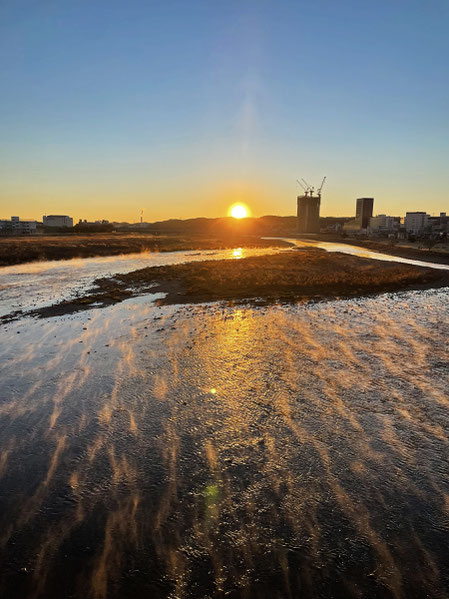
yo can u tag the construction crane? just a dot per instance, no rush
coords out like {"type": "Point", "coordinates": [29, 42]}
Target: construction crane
{"type": "Point", "coordinates": [310, 189]}
{"type": "Point", "coordinates": [303, 186]}
{"type": "Point", "coordinates": [321, 187]}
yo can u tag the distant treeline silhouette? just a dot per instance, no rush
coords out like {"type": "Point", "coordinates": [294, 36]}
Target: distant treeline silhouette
{"type": "Point", "coordinates": [265, 225]}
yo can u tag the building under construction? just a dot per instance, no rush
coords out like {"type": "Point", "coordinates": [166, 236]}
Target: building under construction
{"type": "Point", "coordinates": [308, 209]}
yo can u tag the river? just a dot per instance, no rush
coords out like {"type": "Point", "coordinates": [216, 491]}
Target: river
{"type": "Point", "coordinates": [37, 284]}
{"type": "Point", "coordinates": [215, 451]}
{"type": "Point", "coordinates": [360, 252]}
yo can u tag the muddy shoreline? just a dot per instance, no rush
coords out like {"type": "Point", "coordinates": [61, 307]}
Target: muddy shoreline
{"type": "Point", "coordinates": [300, 276]}
{"type": "Point", "coordinates": [20, 250]}
{"type": "Point", "coordinates": [424, 255]}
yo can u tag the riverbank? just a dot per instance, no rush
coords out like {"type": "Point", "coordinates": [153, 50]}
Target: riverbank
{"type": "Point", "coordinates": [386, 247]}
{"type": "Point", "coordinates": [19, 250]}
{"type": "Point", "coordinates": [294, 276]}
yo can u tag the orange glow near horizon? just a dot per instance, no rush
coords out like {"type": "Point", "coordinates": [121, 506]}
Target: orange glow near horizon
{"type": "Point", "coordinates": [239, 211]}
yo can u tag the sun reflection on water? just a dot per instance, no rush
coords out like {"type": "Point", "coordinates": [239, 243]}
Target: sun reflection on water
{"type": "Point", "coordinates": [317, 465]}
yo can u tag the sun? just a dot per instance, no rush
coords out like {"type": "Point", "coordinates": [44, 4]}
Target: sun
{"type": "Point", "coordinates": [239, 211]}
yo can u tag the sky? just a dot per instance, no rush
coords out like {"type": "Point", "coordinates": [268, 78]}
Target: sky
{"type": "Point", "coordinates": [182, 108]}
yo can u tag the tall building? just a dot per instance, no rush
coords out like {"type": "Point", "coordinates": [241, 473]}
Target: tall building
{"type": "Point", "coordinates": [57, 220]}
{"type": "Point", "coordinates": [364, 211]}
{"type": "Point", "coordinates": [363, 215]}
{"type": "Point", "coordinates": [308, 212]}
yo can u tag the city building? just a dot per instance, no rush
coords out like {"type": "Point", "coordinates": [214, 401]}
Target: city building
{"type": "Point", "coordinates": [363, 214]}
{"type": "Point", "coordinates": [308, 212]}
{"type": "Point", "coordinates": [15, 226]}
{"type": "Point", "coordinates": [57, 220]}
{"type": "Point", "coordinates": [438, 226]}
{"type": "Point", "coordinates": [364, 211]}
{"type": "Point", "coordinates": [308, 208]}
{"type": "Point", "coordinates": [384, 224]}
{"type": "Point", "coordinates": [416, 222]}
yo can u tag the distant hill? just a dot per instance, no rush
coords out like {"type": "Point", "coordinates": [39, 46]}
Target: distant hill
{"type": "Point", "coordinates": [265, 225]}
{"type": "Point", "coordinates": [251, 226]}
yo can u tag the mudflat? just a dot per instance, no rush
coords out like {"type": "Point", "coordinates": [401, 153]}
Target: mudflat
{"type": "Point", "coordinates": [18, 250]}
{"type": "Point", "coordinates": [287, 276]}
{"type": "Point", "coordinates": [413, 251]}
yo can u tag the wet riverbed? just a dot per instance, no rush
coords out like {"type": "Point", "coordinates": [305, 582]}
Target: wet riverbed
{"type": "Point", "coordinates": [360, 252]}
{"type": "Point", "coordinates": [215, 451]}
{"type": "Point", "coordinates": [37, 284]}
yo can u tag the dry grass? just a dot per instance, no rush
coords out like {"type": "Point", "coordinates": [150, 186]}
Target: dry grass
{"type": "Point", "coordinates": [16, 250]}
{"type": "Point", "coordinates": [288, 275]}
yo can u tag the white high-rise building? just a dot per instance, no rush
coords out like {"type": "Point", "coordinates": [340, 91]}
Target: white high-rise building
{"type": "Point", "coordinates": [416, 222]}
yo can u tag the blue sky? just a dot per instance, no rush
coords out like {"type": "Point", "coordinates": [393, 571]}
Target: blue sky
{"type": "Point", "coordinates": [182, 108]}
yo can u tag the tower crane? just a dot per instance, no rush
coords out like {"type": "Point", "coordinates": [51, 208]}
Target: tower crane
{"type": "Point", "coordinates": [303, 186]}
{"type": "Point", "coordinates": [321, 187]}
{"type": "Point", "coordinates": [309, 187]}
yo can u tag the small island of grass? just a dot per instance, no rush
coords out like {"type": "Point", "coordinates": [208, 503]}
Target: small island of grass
{"type": "Point", "coordinates": [292, 276]}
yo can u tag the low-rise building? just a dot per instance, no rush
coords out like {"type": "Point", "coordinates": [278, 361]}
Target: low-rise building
{"type": "Point", "coordinates": [15, 226]}
{"type": "Point", "coordinates": [384, 224]}
{"type": "Point", "coordinates": [352, 226]}
{"type": "Point", "coordinates": [57, 220]}
{"type": "Point", "coordinates": [438, 226]}
{"type": "Point", "coordinates": [416, 222]}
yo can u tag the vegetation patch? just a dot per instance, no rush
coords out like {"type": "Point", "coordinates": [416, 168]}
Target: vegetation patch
{"type": "Point", "coordinates": [292, 275]}
{"type": "Point", "coordinates": [287, 276]}
{"type": "Point", "coordinates": [17, 250]}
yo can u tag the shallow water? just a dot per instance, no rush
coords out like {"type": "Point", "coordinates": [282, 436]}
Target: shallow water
{"type": "Point", "coordinates": [37, 284]}
{"type": "Point", "coordinates": [215, 451]}
{"type": "Point", "coordinates": [360, 252]}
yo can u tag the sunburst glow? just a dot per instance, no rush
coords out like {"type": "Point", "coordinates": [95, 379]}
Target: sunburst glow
{"type": "Point", "coordinates": [239, 211]}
